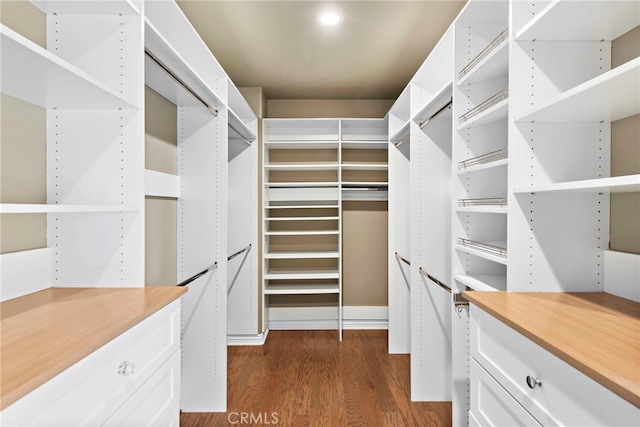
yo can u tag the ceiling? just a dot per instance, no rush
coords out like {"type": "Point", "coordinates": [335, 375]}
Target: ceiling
{"type": "Point", "coordinates": [280, 46]}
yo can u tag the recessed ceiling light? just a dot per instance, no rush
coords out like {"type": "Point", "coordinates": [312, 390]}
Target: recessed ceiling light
{"type": "Point", "coordinates": [329, 18]}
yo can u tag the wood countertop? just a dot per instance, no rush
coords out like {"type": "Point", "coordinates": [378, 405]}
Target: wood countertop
{"type": "Point", "coordinates": [44, 333]}
{"type": "Point", "coordinates": [597, 333]}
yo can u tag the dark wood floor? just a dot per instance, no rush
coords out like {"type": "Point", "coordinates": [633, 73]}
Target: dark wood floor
{"type": "Point", "coordinates": [308, 378]}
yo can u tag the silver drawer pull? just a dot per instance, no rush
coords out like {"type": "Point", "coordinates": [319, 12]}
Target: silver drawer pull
{"type": "Point", "coordinates": [126, 369]}
{"type": "Point", "coordinates": [533, 382]}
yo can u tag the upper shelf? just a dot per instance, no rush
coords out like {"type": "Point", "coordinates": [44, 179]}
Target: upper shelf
{"type": "Point", "coordinates": [36, 75]}
{"type": "Point", "coordinates": [95, 7]}
{"type": "Point", "coordinates": [301, 130]}
{"type": "Point", "coordinates": [162, 50]}
{"type": "Point", "coordinates": [617, 184]}
{"type": "Point", "coordinates": [565, 20]}
{"type": "Point", "coordinates": [434, 105]}
{"type": "Point", "coordinates": [240, 127]}
{"type": "Point", "coordinates": [610, 96]}
{"type": "Point", "coordinates": [492, 114]}
{"type": "Point", "coordinates": [365, 145]}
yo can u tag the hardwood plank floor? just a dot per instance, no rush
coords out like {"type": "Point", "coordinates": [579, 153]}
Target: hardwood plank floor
{"type": "Point", "coordinates": [309, 378]}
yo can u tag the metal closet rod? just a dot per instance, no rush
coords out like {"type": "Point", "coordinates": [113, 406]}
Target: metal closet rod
{"type": "Point", "coordinates": [436, 114]}
{"type": "Point", "coordinates": [247, 140]}
{"type": "Point", "coordinates": [458, 299]}
{"type": "Point", "coordinates": [232, 256]}
{"type": "Point", "coordinates": [402, 259]}
{"type": "Point", "coordinates": [180, 81]}
{"type": "Point", "coordinates": [198, 275]}
{"type": "Point", "coordinates": [403, 140]}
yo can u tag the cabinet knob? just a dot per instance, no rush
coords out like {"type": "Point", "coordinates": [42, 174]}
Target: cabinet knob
{"type": "Point", "coordinates": [126, 369]}
{"type": "Point", "coordinates": [533, 382]}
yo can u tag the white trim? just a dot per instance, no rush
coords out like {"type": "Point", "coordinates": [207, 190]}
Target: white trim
{"type": "Point", "coordinates": [238, 340]}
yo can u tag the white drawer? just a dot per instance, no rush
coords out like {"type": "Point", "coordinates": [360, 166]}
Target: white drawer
{"type": "Point", "coordinates": [566, 396]}
{"type": "Point", "coordinates": [90, 391]}
{"type": "Point", "coordinates": [491, 405]}
{"type": "Point", "coordinates": [156, 403]}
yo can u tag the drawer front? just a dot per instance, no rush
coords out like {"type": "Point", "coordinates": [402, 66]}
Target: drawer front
{"type": "Point", "coordinates": [491, 405]}
{"type": "Point", "coordinates": [566, 396]}
{"type": "Point", "coordinates": [90, 391]}
{"type": "Point", "coordinates": [156, 403]}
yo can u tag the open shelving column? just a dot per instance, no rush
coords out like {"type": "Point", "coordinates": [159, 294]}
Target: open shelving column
{"type": "Point", "coordinates": [302, 211]}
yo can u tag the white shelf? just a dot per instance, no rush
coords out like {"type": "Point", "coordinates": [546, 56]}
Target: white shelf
{"type": "Point", "coordinates": [36, 75]}
{"type": "Point", "coordinates": [300, 184]}
{"type": "Point", "coordinates": [161, 184]}
{"type": "Point", "coordinates": [302, 166]}
{"type": "Point", "coordinates": [302, 274]}
{"type": "Point", "coordinates": [617, 184]}
{"type": "Point", "coordinates": [22, 208]}
{"type": "Point", "coordinates": [483, 282]}
{"type": "Point", "coordinates": [608, 97]}
{"type": "Point", "coordinates": [365, 195]}
{"type": "Point", "coordinates": [302, 289]}
{"type": "Point", "coordinates": [485, 255]}
{"type": "Point", "coordinates": [483, 209]}
{"type": "Point", "coordinates": [302, 233]}
{"type": "Point", "coordinates": [441, 98]}
{"type": "Point", "coordinates": [565, 20]}
{"type": "Point", "coordinates": [301, 255]}
{"type": "Point", "coordinates": [495, 64]}
{"type": "Point", "coordinates": [163, 50]}
{"type": "Point", "coordinates": [483, 166]}
{"type": "Point", "coordinates": [297, 145]}
{"type": "Point", "coordinates": [303, 207]}
{"type": "Point", "coordinates": [363, 184]}
{"type": "Point", "coordinates": [95, 7]}
{"type": "Point", "coordinates": [365, 166]}
{"type": "Point", "coordinates": [304, 218]}
{"type": "Point", "coordinates": [365, 145]}
{"type": "Point", "coordinates": [494, 114]}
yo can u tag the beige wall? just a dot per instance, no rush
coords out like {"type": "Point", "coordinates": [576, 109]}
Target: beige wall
{"type": "Point", "coordinates": [22, 144]}
{"type": "Point", "coordinates": [625, 158]}
{"type": "Point", "coordinates": [327, 108]}
{"type": "Point", "coordinates": [161, 154]}
{"type": "Point", "coordinates": [364, 259]}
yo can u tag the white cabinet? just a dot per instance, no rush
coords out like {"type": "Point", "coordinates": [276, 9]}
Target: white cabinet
{"type": "Point", "coordinates": [141, 364]}
{"type": "Point", "coordinates": [533, 383]}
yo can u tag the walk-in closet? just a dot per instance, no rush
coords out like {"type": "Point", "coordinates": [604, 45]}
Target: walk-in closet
{"type": "Point", "coordinates": [396, 213]}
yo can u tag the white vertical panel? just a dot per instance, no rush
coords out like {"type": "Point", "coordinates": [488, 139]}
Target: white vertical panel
{"type": "Point", "coordinates": [431, 249]}
{"type": "Point", "coordinates": [242, 304]}
{"type": "Point", "coordinates": [24, 272]}
{"type": "Point", "coordinates": [202, 221]}
{"type": "Point", "coordinates": [399, 235]}
{"type": "Point", "coordinates": [622, 274]}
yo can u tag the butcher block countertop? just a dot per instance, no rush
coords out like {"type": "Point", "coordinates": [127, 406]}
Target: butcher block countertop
{"type": "Point", "coordinates": [46, 332]}
{"type": "Point", "coordinates": [597, 333]}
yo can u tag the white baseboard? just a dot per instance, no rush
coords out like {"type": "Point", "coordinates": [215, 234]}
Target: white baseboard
{"type": "Point", "coordinates": [321, 318]}
{"type": "Point", "coordinates": [237, 340]}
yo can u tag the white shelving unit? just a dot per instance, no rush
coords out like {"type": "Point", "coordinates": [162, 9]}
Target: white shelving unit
{"type": "Point", "coordinates": [309, 167]}
{"type": "Point", "coordinates": [302, 211]}
{"type": "Point", "coordinates": [560, 193]}
{"type": "Point", "coordinates": [516, 172]}
{"type": "Point", "coordinates": [91, 79]}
